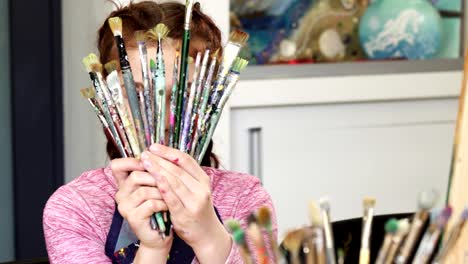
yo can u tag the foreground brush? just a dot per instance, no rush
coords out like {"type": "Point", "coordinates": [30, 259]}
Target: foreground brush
{"type": "Point", "coordinates": [426, 202]}
{"type": "Point", "coordinates": [89, 61]}
{"type": "Point", "coordinates": [173, 105]}
{"type": "Point", "coordinates": [113, 82]}
{"type": "Point", "coordinates": [432, 237]}
{"type": "Point", "coordinates": [146, 107]}
{"type": "Point", "coordinates": [364, 253]}
{"type": "Point", "coordinates": [205, 96]}
{"type": "Point", "coordinates": [397, 239]}
{"type": "Point", "coordinates": [187, 118]}
{"type": "Point", "coordinates": [391, 227]}
{"type": "Point", "coordinates": [160, 33]}
{"type": "Point", "coordinates": [329, 243]}
{"type": "Point", "coordinates": [184, 54]}
{"type": "Point", "coordinates": [293, 244]}
{"type": "Point", "coordinates": [318, 238]}
{"type": "Point", "coordinates": [231, 82]}
{"type": "Point", "coordinates": [255, 235]}
{"type": "Point", "coordinates": [232, 49]}
{"type": "Point", "coordinates": [264, 219]}
{"type": "Point", "coordinates": [238, 235]}
{"type": "Point", "coordinates": [90, 95]}
{"type": "Point", "coordinates": [453, 238]}
{"type": "Point", "coordinates": [115, 24]}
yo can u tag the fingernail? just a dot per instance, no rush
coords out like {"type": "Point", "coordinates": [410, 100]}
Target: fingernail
{"type": "Point", "coordinates": [155, 148]}
{"type": "Point", "coordinates": [144, 155]}
{"type": "Point", "coordinates": [147, 164]}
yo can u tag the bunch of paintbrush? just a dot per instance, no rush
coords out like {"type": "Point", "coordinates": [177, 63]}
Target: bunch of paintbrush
{"type": "Point", "coordinates": [257, 242]}
{"type": "Point", "coordinates": [135, 117]}
{"type": "Point", "coordinates": [314, 244]}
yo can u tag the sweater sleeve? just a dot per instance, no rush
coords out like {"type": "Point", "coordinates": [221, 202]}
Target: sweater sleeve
{"type": "Point", "coordinates": [71, 231]}
{"type": "Point", "coordinates": [250, 201]}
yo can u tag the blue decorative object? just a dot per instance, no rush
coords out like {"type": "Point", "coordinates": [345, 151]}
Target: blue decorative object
{"type": "Point", "coordinates": [408, 29]}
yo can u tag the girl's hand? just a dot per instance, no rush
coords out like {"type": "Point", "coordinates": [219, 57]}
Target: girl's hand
{"type": "Point", "coordinates": [137, 199]}
{"type": "Point", "coordinates": [186, 189]}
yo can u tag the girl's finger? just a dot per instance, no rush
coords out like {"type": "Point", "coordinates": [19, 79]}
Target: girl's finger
{"type": "Point", "coordinates": [179, 158]}
{"type": "Point", "coordinates": [158, 163]}
{"type": "Point", "coordinates": [121, 168]}
{"type": "Point", "coordinates": [173, 202]}
{"type": "Point", "coordinates": [136, 180]}
{"type": "Point", "coordinates": [143, 194]}
{"type": "Point", "coordinates": [148, 208]}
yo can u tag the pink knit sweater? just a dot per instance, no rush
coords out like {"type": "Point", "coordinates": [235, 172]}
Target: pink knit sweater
{"type": "Point", "coordinates": [78, 216]}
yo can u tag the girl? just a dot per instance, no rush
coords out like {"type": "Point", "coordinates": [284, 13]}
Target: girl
{"type": "Point", "coordinates": [103, 216]}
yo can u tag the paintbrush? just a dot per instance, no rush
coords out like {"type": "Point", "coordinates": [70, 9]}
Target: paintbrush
{"type": "Point", "coordinates": [203, 104]}
{"type": "Point", "coordinates": [160, 32]}
{"type": "Point", "coordinates": [196, 101]}
{"type": "Point", "coordinates": [90, 95]}
{"type": "Point", "coordinates": [115, 24]}
{"type": "Point", "coordinates": [173, 106]}
{"type": "Point", "coordinates": [329, 243]}
{"type": "Point", "coordinates": [184, 139]}
{"type": "Point", "coordinates": [364, 253]}
{"type": "Point", "coordinates": [391, 227]}
{"type": "Point", "coordinates": [293, 244]}
{"type": "Point", "coordinates": [231, 82]}
{"type": "Point", "coordinates": [426, 201]}
{"type": "Point", "coordinates": [318, 236]}
{"type": "Point", "coordinates": [97, 69]}
{"type": "Point", "coordinates": [308, 246]}
{"type": "Point", "coordinates": [432, 236]}
{"type": "Point", "coordinates": [141, 99]}
{"type": "Point", "coordinates": [237, 40]}
{"type": "Point", "coordinates": [397, 239]}
{"type": "Point", "coordinates": [238, 235]}
{"type": "Point", "coordinates": [452, 239]}
{"type": "Point", "coordinates": [255, 235]}
{"type": "Point", "coordinates": [183, 68]}
{"type": "Point", "coordinates": [89, 61]}
{"type": "Point", "coordinates": [264, 220]}
{"type": "Point", "coordinates": [148, 122]}
{"type": "Point", "coordinates": [113, 83]}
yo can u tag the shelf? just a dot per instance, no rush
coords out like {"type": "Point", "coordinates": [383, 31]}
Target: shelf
{"type": "Point", "coordinates": [265, 72]}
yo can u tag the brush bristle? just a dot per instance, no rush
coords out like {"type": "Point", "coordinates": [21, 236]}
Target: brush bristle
{"type": "Point", "coordinates": [111, 66]}
{"type": "Point", "coordinates": [239, 65]}
{"type": "Point", "coordinates": [190, 60]}
{"type": "Point", "coordinates": [215, 54]}
{"type": "Point", "coordinates": [89, 60]}
{"type": "Point", "coordinates": [293, 240]}
{"type": "Point", "coordinates": [233, 225]}
{"type": "Point", "coordinates": [239, 37]}
{"type": "Point", "coordinates": [264, 217]}
{"type": "Point", "coordinates": [391, 226]}
{"type": "Point", "coordinates": [239, 237]}
{"type": "Point", "coordinates": [96, 67]}
{"type": "Point", "coordinates": [368, 202]}
{"type": "Point", "coordinates": [464, 215]}
{"type": "Point", "coordinates": [162, 30]}
{"type": "Point", "coordinates": [140, 36]}
{"type": "Point", "coordinates": [88, 93]}
{"type": "Point", "coordinates": [427, 199]}
{"type": "Point", "coordinates": [314, 214]}
{"type": "Point", "coordinates": [115, 24]}
{"type": "Point", "coordinates": [251, 219]}
{"type": "Point", "coordinates": [403, 227]}
{"type": "Point", "coordinates": [325, 203]}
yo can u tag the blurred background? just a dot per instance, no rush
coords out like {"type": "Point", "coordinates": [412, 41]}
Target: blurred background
{"type": "Point", "coordinates": [346, 98]}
